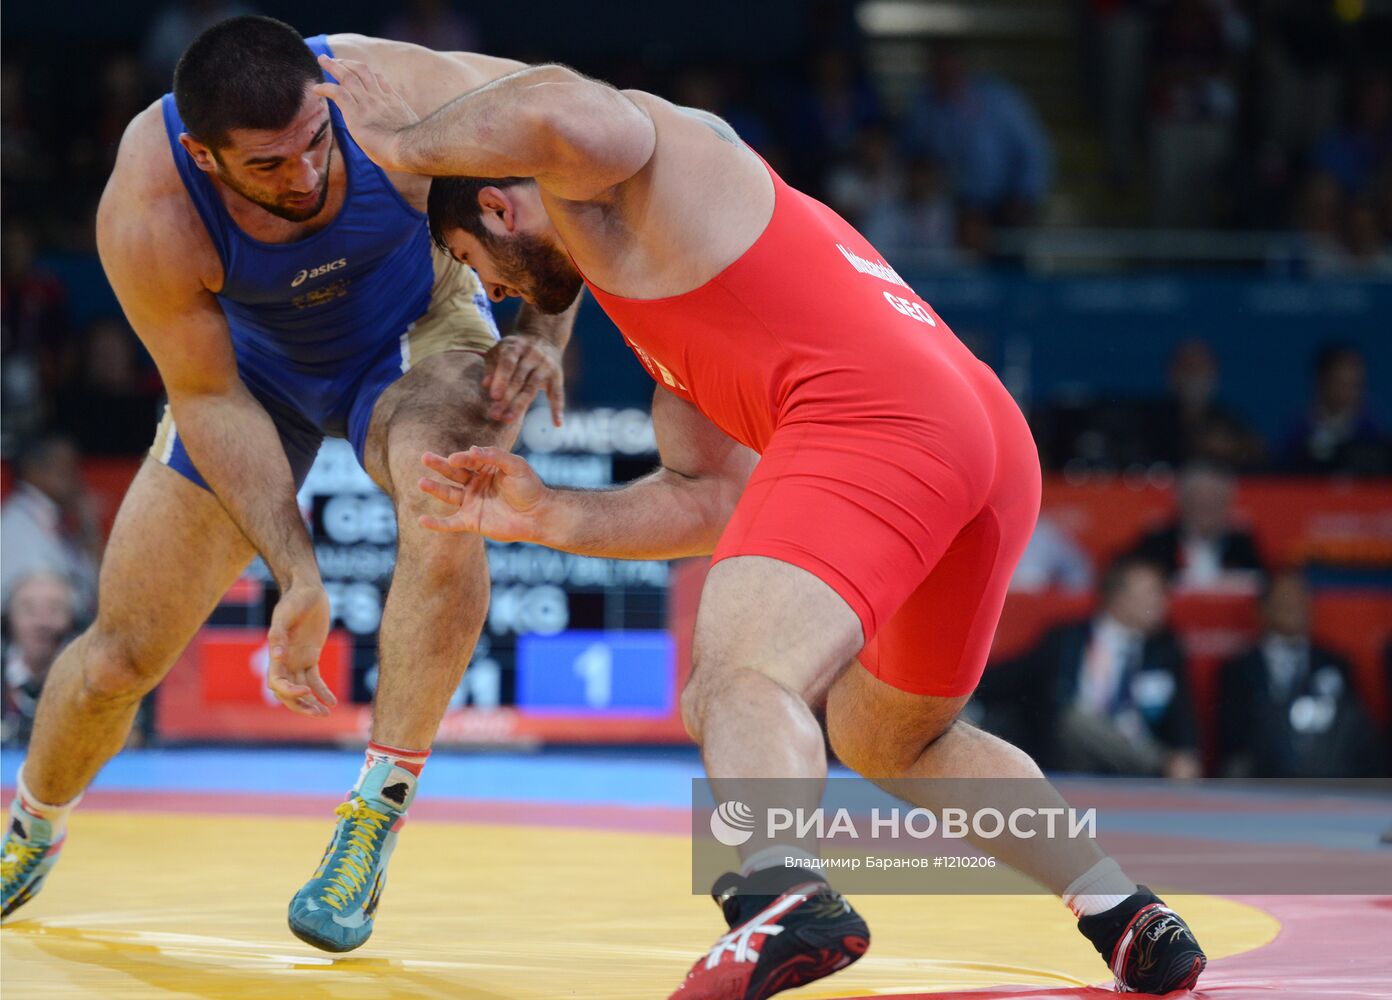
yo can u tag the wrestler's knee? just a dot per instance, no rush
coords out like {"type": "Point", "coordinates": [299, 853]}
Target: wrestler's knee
{"type": "Point", "coordinates": [881, 732]}
{"type": "Point", "coordinates": [117, 667]}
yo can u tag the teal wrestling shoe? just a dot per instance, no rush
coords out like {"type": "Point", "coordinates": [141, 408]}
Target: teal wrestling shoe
{"type": "Point", "coordinates": [26, 856]}
{"type": "Point", "coordinates": [334, 911]}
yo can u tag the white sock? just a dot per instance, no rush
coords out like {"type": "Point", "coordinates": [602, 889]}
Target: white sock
{"type": "Point", "coordinates": [776, 856]}
{"type": "Point", "coordinates": [56, 816]}
{"type": "Point", "coordinates": [1098, 889]}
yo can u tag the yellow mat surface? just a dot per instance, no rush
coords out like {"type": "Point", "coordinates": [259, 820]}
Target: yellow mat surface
{"type": "Point", "coordinates": [194, 906]}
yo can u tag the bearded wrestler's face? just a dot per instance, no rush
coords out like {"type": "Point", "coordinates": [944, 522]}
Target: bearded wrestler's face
{"type": "Point", "coordinates": [516, 251]}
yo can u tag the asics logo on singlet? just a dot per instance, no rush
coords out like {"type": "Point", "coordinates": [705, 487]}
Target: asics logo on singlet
{"type": "Point", "coordinates": [305, 274]}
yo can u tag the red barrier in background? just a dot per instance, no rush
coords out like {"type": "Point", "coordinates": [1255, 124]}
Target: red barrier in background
{"type": "Point", "coordinates": [1334, 522]}
{"type": "Point", "coordinates": [1295, 521]}
{"type": "Point", "coordinates": [215, 692]}
{"type": "Point", "coordinates": [1212, 627]}
{"type": "Point", "coordinates": [1348, 522]}
{"type": "Point", "coordinates": [1216, 627]}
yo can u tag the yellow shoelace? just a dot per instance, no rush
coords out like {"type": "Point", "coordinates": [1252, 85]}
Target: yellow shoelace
{"type": "Point", "coordinates": [17, 861]}
{"type": "Point", "coordinates": [355, 864]}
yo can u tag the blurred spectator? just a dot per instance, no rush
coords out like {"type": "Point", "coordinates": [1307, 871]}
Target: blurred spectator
{"type": "Point", "coordinates": [175, 27]}
{"type": "Point", "coordinates": [996, 151]}
{"type": "Point", "coordinates": [1320, 250]}
{"type": "Point", "coordinates": [1288, 708]}
{"type": "Point", "coordinates": [22, 157]}
{"type": "Point", "coordinates": [48, 521]}
{"type": "Point", "coordinates": [1106, 695]}
{"type": "Point", "coordinates": [1369, 252]}
{"type": "Point", "coordinates": [435, 24]}
{"type": "Point", "coordinates": [122, 93]}
{"type": "Point", "coordinates": [836, 103]}
{"type": "Point", "coordinates": [722, 92]}
{"type": "Point", "coordinates": [1081, 428]}
{"type": "Point", "coordinates": [1354, 155]}
{"type": "Point", "coordinates": [1204, 546]}
{"type": "Point", "coordinates": [1052, 561]}
{"type": "Point", "coordinates": [1194, 106]}
{"type": "Point", "coordinates": [1340, 236]}
{"type": "Point", "coordinates": [869, 180]}
{"type": "Point", "coordinates": [1192, 423]}
{"type": "Point", "coordinates": [34, 340]}
{"type": "Point", "coordinates": [114, 408]}
{"type": "Point", "coordinates": [33, 305]}
{"type": "Point", "coordinates": [40, 616]}
{"type": "Point", "coordinates": [919, 229]}
{"type": "Point", "coordinates": [1338, 432]}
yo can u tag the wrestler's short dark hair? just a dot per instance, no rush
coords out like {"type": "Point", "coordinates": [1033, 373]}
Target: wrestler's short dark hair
{"type": "Point", "coordinates": [454, 204]}
{"type": "Point", "coordinates": [244, 72]}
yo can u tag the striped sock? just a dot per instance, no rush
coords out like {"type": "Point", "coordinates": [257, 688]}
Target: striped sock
{"type": "Point", "coordinates": [410, 761]}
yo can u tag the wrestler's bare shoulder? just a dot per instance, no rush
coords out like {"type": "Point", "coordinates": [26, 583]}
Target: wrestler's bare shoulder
{"type": "Point", "coordinates": [146, 209]}
{"type": "Point", "coordinates": [426, 78]}
{"type": "Point", "coordinates": [699, 202]}
{"type": "Point", "coordinates": [701, 153]}
{"type": "Point", "coordinates": [413, 67]}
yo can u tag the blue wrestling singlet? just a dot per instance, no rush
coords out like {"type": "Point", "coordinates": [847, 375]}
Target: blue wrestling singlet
{"type": "Point", "coordinates": [323, 325]}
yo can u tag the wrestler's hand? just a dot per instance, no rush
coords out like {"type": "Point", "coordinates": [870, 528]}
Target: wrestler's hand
{"type": "Point", "coordinates": [494, 493]}
{"type": "Point", "coordinates": [374, 111]}
{"type": "Point", "coordinates": [518, 367]}
{"type": "Point", "coordinates": [299, 627]}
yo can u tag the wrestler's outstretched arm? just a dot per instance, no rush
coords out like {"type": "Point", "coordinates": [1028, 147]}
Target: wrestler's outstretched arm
{"type": "Point", "coordinates": [576, 136]}
{"type": "Point", "coordinates": [529, 359]}
{"type": "Point", "coordinates": [146, 249]}
{"type": "Point", "coordinates": [677, 510]}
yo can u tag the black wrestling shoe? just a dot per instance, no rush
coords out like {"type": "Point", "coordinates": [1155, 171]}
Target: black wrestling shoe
{"type": "Point", "coordinates": [1149, 947]}
{"type": "Point", "coordinates": [787, 928]}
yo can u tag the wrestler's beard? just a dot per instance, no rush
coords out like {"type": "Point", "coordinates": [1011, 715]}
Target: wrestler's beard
{"type": "Point", "coordinates": [544, 274]}
{"type": "Point", "coordinates": [279, 210]}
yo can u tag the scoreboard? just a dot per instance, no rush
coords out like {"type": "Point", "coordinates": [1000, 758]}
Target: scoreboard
{"type": "Point", "coordinates": [573, 647]}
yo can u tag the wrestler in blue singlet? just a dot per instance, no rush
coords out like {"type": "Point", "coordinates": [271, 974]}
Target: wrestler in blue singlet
{"type": "Point", "coordinates": [319, 326]}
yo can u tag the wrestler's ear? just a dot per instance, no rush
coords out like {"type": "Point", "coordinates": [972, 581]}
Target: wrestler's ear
{"type": "Point", "coordinates": [202, 155]}
{"type": "Point", "coordinates": [495, 202]}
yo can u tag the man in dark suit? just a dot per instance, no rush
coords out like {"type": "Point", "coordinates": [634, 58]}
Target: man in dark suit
{"type": "Point", "coordinates": [1288, 708]}
{"type": "Point", "coordinates": [1107, 695]}
{"type": "Point", "coordinates": [1204, 546]}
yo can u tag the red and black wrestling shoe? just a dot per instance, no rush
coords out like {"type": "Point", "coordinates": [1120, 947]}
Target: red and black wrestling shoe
{"type": "Point", "coordinates": [1147, 944]}
{"type": "Point", "coordinates": [787, 928]}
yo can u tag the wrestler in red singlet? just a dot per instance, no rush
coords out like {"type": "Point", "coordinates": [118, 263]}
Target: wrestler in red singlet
{"type": "Point", "coordinates": [896, 467]}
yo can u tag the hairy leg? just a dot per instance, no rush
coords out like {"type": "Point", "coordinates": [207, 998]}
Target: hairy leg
{"type": "Point", "coordinates": [173, 553]}
{"type": "Point", "coordinates": [770, 638]}
{"type": "Point", "coordinates": [439, 592]}
{"type": "Point", "coordinates": [889, 736]}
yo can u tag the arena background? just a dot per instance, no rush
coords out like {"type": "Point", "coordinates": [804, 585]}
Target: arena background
{"type": "Point", "coordinates": [1195, 207]}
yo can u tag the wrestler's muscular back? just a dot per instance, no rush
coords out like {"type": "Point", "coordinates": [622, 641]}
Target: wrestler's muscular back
{"type": "Point", "coordinates": [701, 201]}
